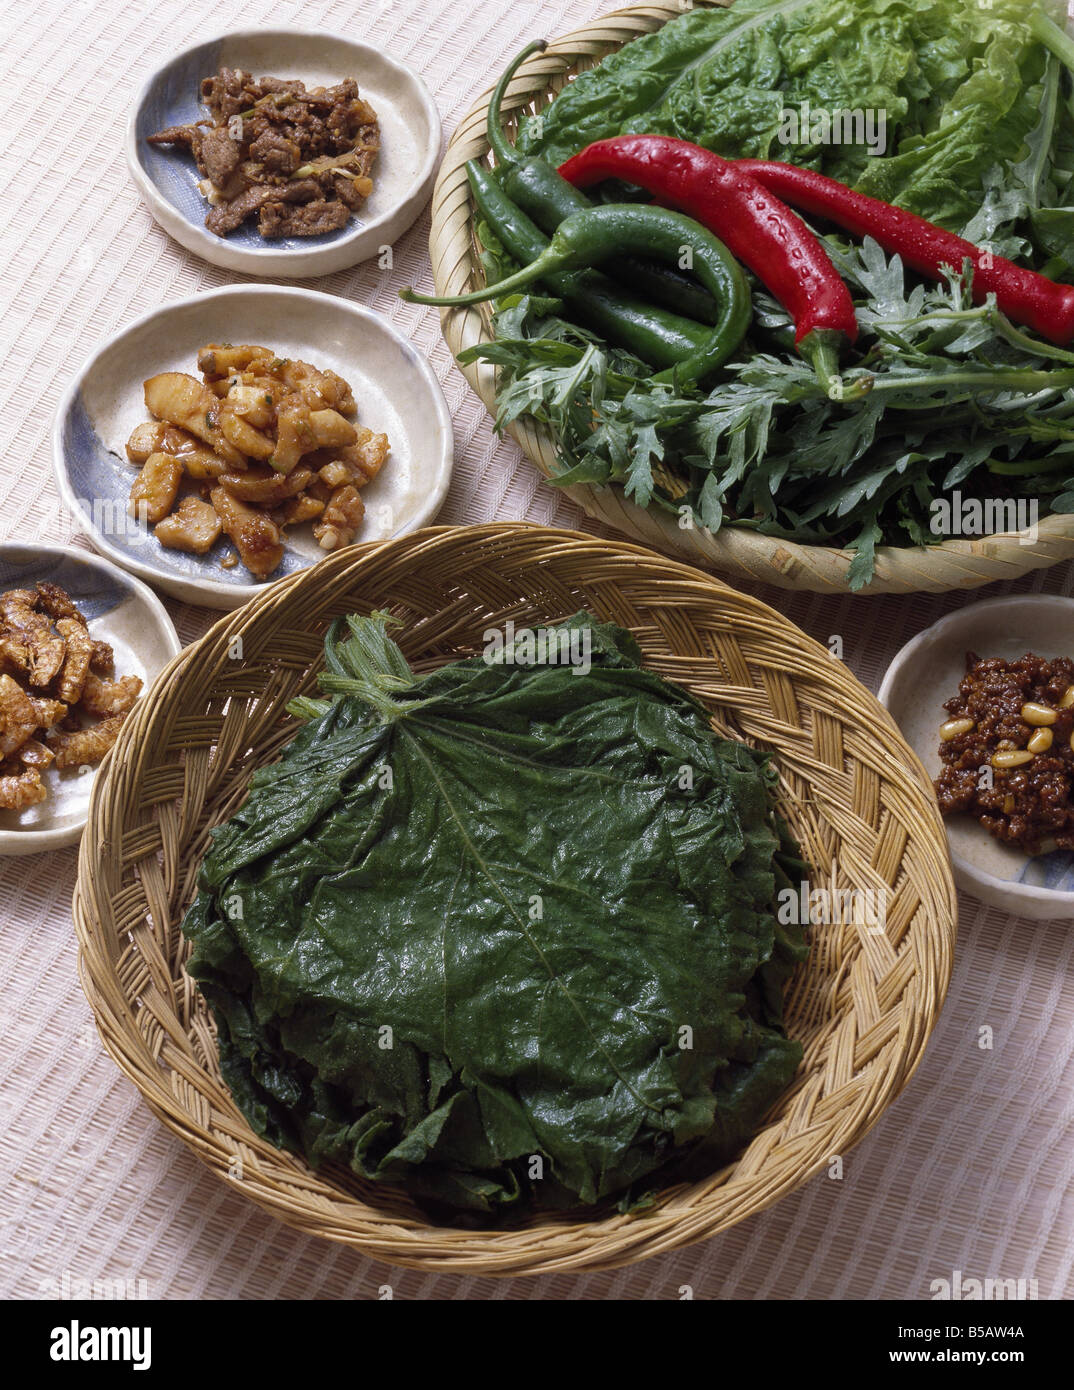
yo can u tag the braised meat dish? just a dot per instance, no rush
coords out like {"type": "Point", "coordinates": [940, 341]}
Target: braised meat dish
{"type": "Point", "coordinates": [301, 161]}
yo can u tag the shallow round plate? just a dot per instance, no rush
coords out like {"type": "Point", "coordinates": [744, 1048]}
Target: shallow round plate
{"type": "Point", "coordinates": [119, 610]}
{"type": "Point", "coordinates": [924, 674]}
{"type": "Point", "coordinates": [396, 391]}
{"type": "Point", "coordinates": [167, 178]}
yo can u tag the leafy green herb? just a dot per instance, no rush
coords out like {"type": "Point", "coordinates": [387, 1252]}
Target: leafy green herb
{"type": "Point", "coordinates": [960, 397]}
{"type": "Point", "coordinates": [503, 933]}
{"type": "Point", "coordinates": [979, 112]}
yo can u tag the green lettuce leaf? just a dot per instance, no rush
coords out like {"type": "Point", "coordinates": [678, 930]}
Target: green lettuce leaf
{"type": "Point", "coordinates": [961, 87]}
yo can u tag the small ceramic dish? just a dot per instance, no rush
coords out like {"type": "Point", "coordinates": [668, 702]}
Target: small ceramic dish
{"type": "Point", "coordinates": [924, 674]}
{"type": "Point", "coordinates": [167, 177]}
{"type": "Point", "coordinates": [396, 390]}
{"type": "Point", "coordinates": [119, 610]}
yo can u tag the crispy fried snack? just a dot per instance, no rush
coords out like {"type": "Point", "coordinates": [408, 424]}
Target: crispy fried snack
{"type": "Point", "coordinates": [57, 674]}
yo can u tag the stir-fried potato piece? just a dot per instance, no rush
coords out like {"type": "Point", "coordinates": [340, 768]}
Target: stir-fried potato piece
{"type": "Point", "coordinates": [156, 487]}
{"type": "Point", "coordinates": [367, 454]}
{"type": "Point", "coordinates": [239, 432]}
{"type": "Point", "coordinates": [146, 439]}
{"type": "Point", "coordinates": [340, 519]}
{"type": "Point", "coordinates": [265, 486]}
{"type": "Point", "coordinates": [256, 407]}
{"type": "Point", "coordinates": [202, 463]}
{"type": "Point", "coordinates": [319, 389]}
{"type": "Point", "coordinates": [330, 430]}
{"type": "Point", "coordinates": [294, 434]}
{"type": "Point", "coordinates": [156, 437]}
{"type": "Point", "coordinates": [224, 359]}
{"type": "Point", "coordinates": [187, 402]}
{"type": "Point", "coordinates": [194, 527]}
{"type": "Point", "coordinates": [255, 534]}
{"type": "Point", "coordinates": [297, 510]}
{"type": "Point", "coordinates": [272, 437]}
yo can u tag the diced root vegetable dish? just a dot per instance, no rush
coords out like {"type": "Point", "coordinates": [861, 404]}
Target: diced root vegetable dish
{"type": "Point", "coordinates": [258, 444]}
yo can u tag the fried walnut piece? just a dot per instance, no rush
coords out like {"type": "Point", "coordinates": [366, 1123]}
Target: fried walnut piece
{"type": "Point", "coordinates": [110, 697]}
{"type": "Point", "coordinates": [58, 674]}
{"type": "Point", "coordinates": [17, 722]}
{"type": "Point", "coordinates": [261, 443]}
{"type": "Point", "coordinates": [76, 662]}
{"type": "Point", "coordinates": [81, 747]}
{"type": "Point", "coordinates": [27, 630]}
{"type": "Point", "coordinates": [21, 789]}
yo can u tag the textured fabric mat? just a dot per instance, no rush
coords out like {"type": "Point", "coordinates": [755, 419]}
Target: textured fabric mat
{"type": "Point", "coordinates": [970, 1170]}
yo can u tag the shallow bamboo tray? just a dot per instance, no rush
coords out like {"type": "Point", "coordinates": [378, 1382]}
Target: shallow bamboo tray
{"type": "Point", "coordinates": [856, 797]}
{"type": "Point", "coordinates": [956, 564]}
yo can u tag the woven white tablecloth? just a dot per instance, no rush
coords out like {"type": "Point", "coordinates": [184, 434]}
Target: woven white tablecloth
{"type": "Point", "coordinates": [970, 1170]}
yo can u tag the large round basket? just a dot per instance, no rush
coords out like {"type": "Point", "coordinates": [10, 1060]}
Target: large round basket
{"type": "Point", "coordinates": [856, 798]}
{"type": "Point", "coordinates": [956, 564]}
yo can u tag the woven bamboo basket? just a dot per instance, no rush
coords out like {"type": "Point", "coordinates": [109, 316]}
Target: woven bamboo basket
{"type": "Point", "coordinates": [453, 249]}
{"type": "Point", "coordinates": [860, 804]}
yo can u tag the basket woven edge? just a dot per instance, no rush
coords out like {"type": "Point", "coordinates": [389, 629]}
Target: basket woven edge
{"type": "Point", "coordinates": [951, 565]}
{"type": "Point", "coordinates": [648, 1235]}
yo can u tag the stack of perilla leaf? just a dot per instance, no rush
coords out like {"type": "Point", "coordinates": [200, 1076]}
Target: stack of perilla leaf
{"type": "Point", "coordinates": [502, 933]}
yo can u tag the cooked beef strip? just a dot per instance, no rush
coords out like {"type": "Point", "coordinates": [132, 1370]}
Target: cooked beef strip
{"type": "Point", "coordinates": [275, 152]}
{"type": "Point", "coordinates": [174, 135]}
{"type": "Point", "coordinates": [227, 216]}
{"type": "Point", "coordinates": [220, 155]}
{"type": "Point", "coordinates": [224, 94]}
{"type": "Point", "coordinates": [307, 219]}
{"type": "Point", "coordinates": [284, 127]}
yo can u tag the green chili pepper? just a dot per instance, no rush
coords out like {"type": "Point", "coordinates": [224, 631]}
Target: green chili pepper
{"type": "Point", "coordinates": [591, 237]}
{"type": "Point", "coordinates": [659, 338]}
{"type": "Point", "coordinates": [540, 190]}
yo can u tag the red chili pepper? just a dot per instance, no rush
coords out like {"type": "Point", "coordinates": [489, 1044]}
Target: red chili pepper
{"type": "Point", "coordinates": [757, 228]}
{"type": "Point", "coordinates": [1024, 296]}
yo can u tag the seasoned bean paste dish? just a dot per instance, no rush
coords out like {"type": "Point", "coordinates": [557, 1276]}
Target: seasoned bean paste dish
{"type": "Point", "coordinates": [1007, 749]}
{"type": "Point", "coordinates": [503, 933]}
{"type": "Point", "coordinates": [261, 443]}
{"type": "Point", "coordinates": [300, 161]}
{"type": "Point", "coordinates": [61, 703]}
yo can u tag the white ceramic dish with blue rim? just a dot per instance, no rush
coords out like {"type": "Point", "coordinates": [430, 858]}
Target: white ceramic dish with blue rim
{"type": "Point", "coordinates": [119, 610]}
{"type": "Point", "coordinates": [396, 390]}
{"type": "Point", "coordinates": [924, 674]}
{"type": "Point", "coordinates": [167, 178]}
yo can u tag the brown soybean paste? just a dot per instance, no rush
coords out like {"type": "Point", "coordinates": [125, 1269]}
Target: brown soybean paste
{"type": "Point", "coordinates": [1030, 805]}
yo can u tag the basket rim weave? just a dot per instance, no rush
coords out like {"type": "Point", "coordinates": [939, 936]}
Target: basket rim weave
{"type": "Point", "coordinates": [954, 564]}
{"type": "Point", "coordinates": [866, 1016]}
